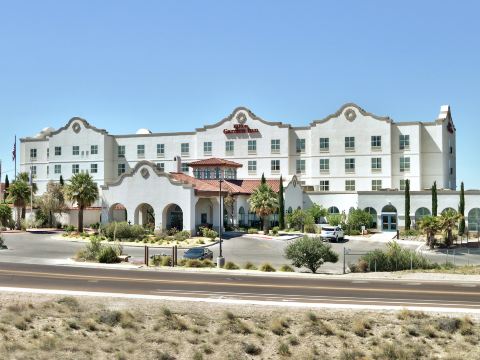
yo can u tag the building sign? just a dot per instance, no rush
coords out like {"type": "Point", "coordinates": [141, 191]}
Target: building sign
{"type": "Point", "coordinates": [240, 129]}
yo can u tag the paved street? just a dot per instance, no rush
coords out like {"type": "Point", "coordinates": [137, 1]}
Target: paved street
{"type": "Point", "coordinates": [42, 249]}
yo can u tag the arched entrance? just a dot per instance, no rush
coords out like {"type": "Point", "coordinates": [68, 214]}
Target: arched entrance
{"type": "Point", "coordinates": [373, 214]}
{"type": "Point", "coordinates": [174, 217]}
{"type": "Point", "coordinates": [117, 213]}
{"type": "Point", "coordinates": [145, 216]}
{"type": "Point", "coordinates": [421, 213]}
{"type": "Point", "coordinates": [474, 220]}
{"type": "Point", "coordinates": [389, 218]}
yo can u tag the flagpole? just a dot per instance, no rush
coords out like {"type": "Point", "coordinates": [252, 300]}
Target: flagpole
{"type": "Point", "coordinates": [15, 155]}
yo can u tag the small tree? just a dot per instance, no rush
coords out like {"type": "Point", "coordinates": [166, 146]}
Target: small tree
{"type": "Point", "coordinates": [263, 180]}
{"type": "Point", "coordinates": [407, 205]}
{"type": "Point", "coordinates": [298, 219]}
{"type": "Point", "coordinates": [281, 206]}
{"type": "Point", "coordinates": [5, 214]}
{"type": "Point", "coordinates": [7, 185]}
{"type": "Point", "coordinates": [25, 177]}
{"type": "Point", "coordinates": [229, 203]}
{"type": "Point", "coordinates": [61, 180]}
{"type": "Point", "coordinates": [358, 218]}
{"type": "Point", "coordinates": [52, 201]}
{"type": "Point", "coordinates": [264, 202]}
{"type": "Point", "coordinates": [434, 199]}
{"type": "Point", "coordinates": [461, 211]}
{"type": "Point", "coordinates": [317, 212]}
{"type": "Point", "coordinates": [19, 195]}
{"type": "Point", "coordinates": [82, 190]}
{"type": "Point", "coordinates": [447, 222]}
{"type": "Point", "coordinates": [334, 219]}
{"type": "Point", "coordinates": [310, 253]}
{"type": "Point", "coordinates": [430, 226]}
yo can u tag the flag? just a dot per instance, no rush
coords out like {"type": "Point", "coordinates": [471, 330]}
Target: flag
{"type": "Point", "coordinates": [14, 151]}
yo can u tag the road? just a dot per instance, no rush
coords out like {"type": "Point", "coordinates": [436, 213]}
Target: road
{"type": "Point", "coordinates": [227, 286]}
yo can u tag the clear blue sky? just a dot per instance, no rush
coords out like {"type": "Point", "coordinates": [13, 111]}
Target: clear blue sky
{"type": "Point", "coordinates": [176, 65]}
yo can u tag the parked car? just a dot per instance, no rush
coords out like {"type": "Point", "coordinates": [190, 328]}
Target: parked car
{"type": "Point", "coordinates": [332, 233]}
{"type": "Point", "coordinates": [198, 253]}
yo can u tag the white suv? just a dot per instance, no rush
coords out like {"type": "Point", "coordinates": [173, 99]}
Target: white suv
{"type": "Point", "coordinates": [332, 233]}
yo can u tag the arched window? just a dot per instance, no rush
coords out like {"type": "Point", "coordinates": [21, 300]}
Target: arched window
{"type": "Point", "coordinates": [474, 220]}
{"type": "Point", "coordinates": [241, 216]}
{"type": "Point", "coordinates": [333, 210]}
{"type": "Point", "coordinates": [444, 211]}
{"type": "Point", "coordinates": [421, 213]}
{"type": "Point", "coordinates": [290, 210]}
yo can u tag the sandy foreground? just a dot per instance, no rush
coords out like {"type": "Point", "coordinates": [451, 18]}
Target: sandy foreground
{"type": "Point", "coordinates": [36, 326]}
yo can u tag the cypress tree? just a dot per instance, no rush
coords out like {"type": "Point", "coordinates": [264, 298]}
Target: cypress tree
{"type": "Point", "coordinates": [461, 211]}
{"type": "Point", "coordinates": [407, 205]}
{"type": "Point", "coordinates": [61, 180]}
{"type": "Point", "coordinates": [281, 206]}
{"type": "Point", "coordinates": [7, 185]}
{"type": "Point", "coordinates": [263, 181]}
{"type": "Point", "coordinates": [434, 199]}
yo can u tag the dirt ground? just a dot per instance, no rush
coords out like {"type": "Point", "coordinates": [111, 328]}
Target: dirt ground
{"type": "Point", "coordinates": [56, 327]}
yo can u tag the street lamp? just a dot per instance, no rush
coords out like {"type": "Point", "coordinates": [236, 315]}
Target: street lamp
{"type": "Point", "coordinates": [220, 258]}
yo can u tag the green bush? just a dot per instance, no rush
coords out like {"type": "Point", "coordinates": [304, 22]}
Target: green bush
{"type": "Point", "coordinates": [70, 228]}
{"type": "Point", "coordinates": [208, 263]}
{"type": "Point", "coordinates": [267, 268]}
{"type": "Point", "coordinates": [252, 231]}
{"type": "Point", "coordinates": [299, 218]}
{"type": "Point", "coordinates": [96, 251]}
{"type": "Point", "coordinates": [231, 266]}
{"type": "Point", "coordinates": [358, 218]}
{"type": "Point", "coordinates": [158, 260]}
{"type": "Point", "coordinates": [107, 255]}
{"type": "Point", "coordinates": [182, 235]}
{"type": "Point", "coordinates": [5, 214]}
{"type": "Point", "coordinates": [275, 230]}
{"type": "Point", "coordinates": [310, 253]}
{"type": "Point", "coordinates": [317, 212]}
{"type": "Point", "coordinates": [91, 251]}
{"type": "Point", "coordinates": [194, 263]}
{"type": "Point", "coordinates": [396, 258]}
{"type": "Point", "coordinates": [310, 228]}
{"type": "Point", "coordinates": [122, 230]}
{"type": "Point", "coordinates": [95, 226]}
{"type": "Point", "coordinates": [2, 243]}
{"type": "Point", "coordinates": [286, 268]}
{"type": "Point", "coordinates": [209, 233]}
{"type": "Point", "coordinates": [334, 219]}
{"type": "Point", "coordinates": [250, 266]}
{"type": "Point", "coordinates": [410, 233]}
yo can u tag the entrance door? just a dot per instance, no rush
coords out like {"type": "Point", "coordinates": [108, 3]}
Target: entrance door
{"type": "Point", "coordinates": [389, 222]}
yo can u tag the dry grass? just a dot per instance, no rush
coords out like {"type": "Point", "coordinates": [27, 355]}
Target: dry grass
{"type": "Point", "coordinates": [49, 327]}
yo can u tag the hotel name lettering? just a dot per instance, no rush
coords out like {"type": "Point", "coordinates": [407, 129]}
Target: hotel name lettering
{"type": "Point", "coordinates": [240, 129]}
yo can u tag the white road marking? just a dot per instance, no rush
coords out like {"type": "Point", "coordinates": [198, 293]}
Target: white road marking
{"type": "Point", "coordinates": [413, 284]}
{"type": "Point", "coordinates": [360, 282]}
{"type": "Point", "coordinates": [466, 285]}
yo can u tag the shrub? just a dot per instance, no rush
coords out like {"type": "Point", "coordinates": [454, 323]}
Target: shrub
{"type": "Point", "coordinates": [358, 218]}
{"type": "Point", "coordinates": [5, 214]}
{"type": "Point", "coordinates": [2, 243]}
{"type": "Point", "coordinates": [95, 226]}
{"type": "Point", "coordinates": [70, 228]}
{"type": "Point", "coordinates": [209, 233]}
{"type": "Point", "coordinates": [91, 251]}
{"type": "Point", "coordinates": [252, 349]}
{"type": "Point", "coordinates": [182, 235]}
{"type": "Point", "coordinates": [109, 317]}
{"type": "Point", "coordinates": [275, 230]}
{"type": "Point", "coordinates": [283, 349]}
{"type": "Point", "coordinates": [252, 231]}
{"type": "Point", "coordinates": [299, 218]}
{"type": "Point", "coordinates": [122, 230]}
{"type": "Point", "coordinates": [267, 268]}
{"type": "Point", "coordinates": [159, 260]}
{"type": "Point", "coordinates": [334, 219]}
{"type": "Point", "coordinates": [107, 255]}
{"type": "Point", "coordinates": [310, 228]}
{"type": "Point", "coordinates": [231, 266]}
{"type": "Point", "coordinates": [286, 268]}
{"type": "Point", "coordinates": [310, 253]}
{"type": "Point", "coordinates": [250, 266]}
{"type": "Point", "coordinates": [208, 263]}
{"type": "Point", "coordinates": [194, 263]}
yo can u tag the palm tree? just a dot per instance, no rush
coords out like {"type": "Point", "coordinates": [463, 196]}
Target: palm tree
{"type": "Point", "coordinates": [448, 221]}
{"type": "Point", "coordinates": [19, 195]}
{"type": "Point", "coordinates": [25, 177]}
{"type": "Point", "coordinates": [430, 225]}
{"type": "Point", "coordinates": [264, 202]}
{"type": "Point", "coordinates": [82, 190]}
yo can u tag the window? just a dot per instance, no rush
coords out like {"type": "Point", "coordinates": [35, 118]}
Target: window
{"type": "Point", "coordinates": [121, 169]}
{"type": "Point", "coordinates": [275, 166]}
{"type": "Point", "coordinates": [275, 146]}
{"type": "Point", "coordinates": [57, 169]}
{"type": "Point", "coordinates": [376, 142]}
{"type": "Point", "coordinates": [58, 150]}
{"type": "Point", "coordinates": [33, 154]}
{"type": "Point", "coordinates": [349, 143]}
{"type": "Point", "coordinates": [300, 145]}
{"type": "Point", "coordinates": [252, 146]}
{"type": "Point", "coordinates": [404, 164]}
{"type": "Point", "coordinates": [33, 171]}
{"type": "Point", "coordinates": [229, 147]}
{"type": "Point", "coordinates": [94, 149]}
{"type": "Point", "coordinates": [300, 166]}
{"type": "Point", "coordinates": [403, 183]}
{"type": "Point", "coordinates": [121, 151]}
{"type": "Point", "coordinates": [75, 169]}
{"type": "Point", "coordinates": [76, 150]}
{"type": "Point", "coordinates": [376, 164]}
{"type": "Point", "coordinates": [185, 149]}
{"type": "Point", "coordinates": [207, 148]}
{"type": "Point", "coordinates": [184, 167]}
{"type": "Point", "coordinates": [324, 185]}
{"type": "Point", "coordinates": [160, 150]}
{"type": "Point", "coordinates": [349, 185]}
{"type": "Point", "coordinates": [376, 184]}
{"type": "Point", "coordinates": [252, 166]}
{"type": "Point", "coordinates": [94, 168]}
{"type": "Point", "coordinates": [404, 142]}
{"type": "Point", "coordinates": [349, 165]}
{"type": "Point", "coordinates": [141, 151]}
{"type": "Point", "coordinates": [324, 144]}
{"type": "Point", "coordinates": [161, 166]}
{"type": "Point", "coordinates": [324, 165]}
{"type": "Point", "coordinates": [48, 170]}
{"type": "Point", "coordinates": [48, 153]}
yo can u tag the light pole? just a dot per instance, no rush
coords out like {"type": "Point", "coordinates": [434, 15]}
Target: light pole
{"type": "Point", "coordinates": [220, 259]}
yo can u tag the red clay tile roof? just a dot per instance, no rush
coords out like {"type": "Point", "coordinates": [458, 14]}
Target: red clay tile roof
{"type": "Point", "coordinates": [228, 185]}
{"type": "Point", "coordinates": [214, 162]}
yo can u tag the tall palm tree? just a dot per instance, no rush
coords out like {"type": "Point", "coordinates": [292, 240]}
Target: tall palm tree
{"type": "Point", "coordinates": [430, 225]}
{"type": "Point", "coordinates": [448, 221]}
{"type": "Point", "coordinates": [83, 191]}
{"type": "Point", "coordinates": [264, 202]}
{"type": "Point", "coordinates": [19, 195]}
{"type": "Point", "coordinates": [25, 177]}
